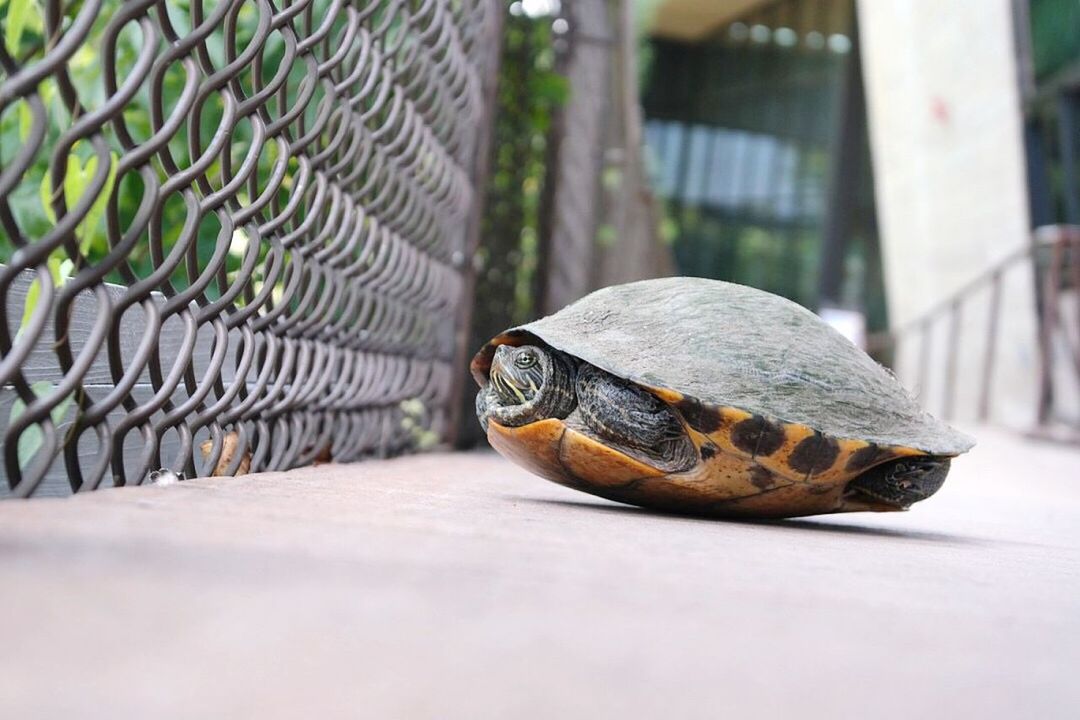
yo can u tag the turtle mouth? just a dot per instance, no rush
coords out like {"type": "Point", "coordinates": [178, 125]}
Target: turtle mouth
{"type": "Point", "coordinates": [511, 390]}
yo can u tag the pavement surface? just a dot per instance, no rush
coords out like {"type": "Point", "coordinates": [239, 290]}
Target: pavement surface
{"type": "Point", "coordinates": [457, 586]}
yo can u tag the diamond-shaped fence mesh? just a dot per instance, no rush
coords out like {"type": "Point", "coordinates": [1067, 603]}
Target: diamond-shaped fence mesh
{"type": "Point", "coordinates": [232, 231]}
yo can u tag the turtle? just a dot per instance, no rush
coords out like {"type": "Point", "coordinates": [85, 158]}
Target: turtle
{"type": "Point", "coordinates": [703, 397]}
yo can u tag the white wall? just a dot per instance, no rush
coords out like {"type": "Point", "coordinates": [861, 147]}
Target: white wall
{"type": "Point", "coordinates": [946, 136]}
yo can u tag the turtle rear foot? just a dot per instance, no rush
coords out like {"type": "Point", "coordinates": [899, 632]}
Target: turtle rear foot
{"type": "Point", "coordinates": [901, 482]}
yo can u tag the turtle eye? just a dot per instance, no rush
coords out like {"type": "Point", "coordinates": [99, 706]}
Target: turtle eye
{"type": "Point", "coordinates": [525, 360]}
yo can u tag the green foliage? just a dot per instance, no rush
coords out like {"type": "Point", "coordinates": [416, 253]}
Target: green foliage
{"type": "Point", "coordinates": [547, 90]}
{"type": "Point", "coordinates": [606, 235]}
{"type": "Point", "coordinates": [644, 13]}
{"type": "Point", "coordinates": [60, 269]}
{"type": "Point", "coordinates": [529, 95]}
{"type": "Point", "coordinates": [1055, 36]}
{"type": "Point", "coordinates": [32, 199]}
{"type": "Point", "coordinates": [415, 421]}
{"type": "Point", "coordinates": [77, 180]}
{"type": "Point", "coordinates": [21, 14]}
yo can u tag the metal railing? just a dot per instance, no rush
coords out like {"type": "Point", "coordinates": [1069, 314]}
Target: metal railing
{"type": "Point", "coordinates": [233, 232]}
{"type": "Point", "coordinates": [1054, 260]}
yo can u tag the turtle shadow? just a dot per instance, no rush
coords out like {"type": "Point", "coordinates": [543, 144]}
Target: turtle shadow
{"type": "Point", "coordinates": [799, 524]}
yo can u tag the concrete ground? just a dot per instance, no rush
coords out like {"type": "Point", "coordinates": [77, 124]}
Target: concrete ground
{"type": "Point", "coordinates": [457, 586]}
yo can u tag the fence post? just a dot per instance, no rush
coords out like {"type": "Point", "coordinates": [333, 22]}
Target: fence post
{"type": "Point", "coordinates": [481, 170]}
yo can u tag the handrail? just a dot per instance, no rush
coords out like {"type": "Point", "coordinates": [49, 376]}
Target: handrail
{"type": "Point", "coordinates": [1063, 244]}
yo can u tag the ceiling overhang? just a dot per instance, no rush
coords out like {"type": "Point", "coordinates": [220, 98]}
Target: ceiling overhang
{"type": "Point", "coordinates": [694, 20]}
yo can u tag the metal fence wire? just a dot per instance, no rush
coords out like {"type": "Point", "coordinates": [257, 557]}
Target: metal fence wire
{"type": "Point", "coordinates": [233, 232]}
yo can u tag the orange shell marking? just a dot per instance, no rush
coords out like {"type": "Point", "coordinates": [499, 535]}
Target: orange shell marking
{"type": "Point", "coordinates": [749, 465]}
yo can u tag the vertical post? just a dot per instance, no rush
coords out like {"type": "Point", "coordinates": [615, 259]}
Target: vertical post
{"type": "Point", "coordinates": [924, 358]}
{"type": "Point", "coordinates": [545, 223]}
{"type": "Point", "coordinates": [1040, 195]}
{"type": "Point", "coordinates": [692, 71]}
{"type": "Point", "coordinates": [1072, 235]}
{"type": "Point", "coordinates": [950, 368]}
{"type": "Point", "coordinates": [991, 348]}
{"type": "Point", "coordinates": [767, 166]}
{"type": "Point", "coordinates": [741, 164]}
{"type": "Point", "coordinates": [570, 257]}
{"type": "Point", "coordinates": [1068, 129]}
{"type": "Point", "coordinates": [480, 171]}
{"type": "Point", "coordinates": [840, 204]}
{"type": "Point", "coordinates": [1051, 287]}
{"type": "Point", "coordinates": [629, 207]}
{"type": "Point", "coordinates": [811, 17]}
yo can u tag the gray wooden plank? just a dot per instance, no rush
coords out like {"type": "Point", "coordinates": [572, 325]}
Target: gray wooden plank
{"type": "Point", "coordinates": [55, 482]}
{"type": "Point", "coordinates": [42, 366]}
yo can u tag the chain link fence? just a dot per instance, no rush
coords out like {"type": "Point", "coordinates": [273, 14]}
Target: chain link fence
{"type": "Point", "coordinates": [232, 232]}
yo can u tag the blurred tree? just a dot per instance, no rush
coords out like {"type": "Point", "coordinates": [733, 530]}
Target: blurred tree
{"type": "Point", "coordinates": [529, 93]}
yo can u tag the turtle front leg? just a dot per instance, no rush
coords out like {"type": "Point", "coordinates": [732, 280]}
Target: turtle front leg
{"type": "Point", "coordinates": [632, 419]}
{"type": "Point", "coordinates": [486, 398]}
{"type": "Point", "coordinates": [902, 482]}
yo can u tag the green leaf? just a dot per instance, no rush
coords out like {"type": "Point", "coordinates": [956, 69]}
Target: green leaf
{"type": "Point", "coordinates": [31, 439]}
{"type": "Point", "coordinates": [73, 184]}
{"type": "Point", "coordinates": [550, 87]}
{"type": "Point", "coordinates": [45, 191]}
{"type": "Point", "coordinates": [61, 269]}
{"type": "Point", "coordinates": [47, 92]}
{"type": "Point", "coordinates": [26, 120]}
{"type": "Point", "coordinates": [239, 243]}
{"type": "Point", "coordinates": [29, 304]}
{"type": "Point", "coordinates": [76, 180]}
{"type": "Point", "coordinates": [606, 235]}
{"type": "Point", "coordinates": [669, 230]}
{"type": "Point", "coordinates": [612, 178]}
{"type": "Point", "coordinates": [56, 263]}
{"type": "Point", "coordinates": [17, 16]}
{"type": "Point", "coordinates": [60, 410]}
{"type": "Point", "coordinates": [88, 228]}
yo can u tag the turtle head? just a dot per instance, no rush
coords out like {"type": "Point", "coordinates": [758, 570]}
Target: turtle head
{"type": "Point", "coordinates": [518, 373]}
{"type": "Point", "coordinates": [525, 384]}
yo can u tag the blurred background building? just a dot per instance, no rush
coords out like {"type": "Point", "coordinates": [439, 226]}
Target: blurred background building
{"type": "Point", "coordinates": [755, 118]}
{"type": "Point", "coordinates": [886, 163]}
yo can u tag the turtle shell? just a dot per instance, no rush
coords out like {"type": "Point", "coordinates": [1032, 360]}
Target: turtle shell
{"type": "Point", "coordinates": [710, 347]}
{"type": "Point", "coordinates": [785, 414]}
